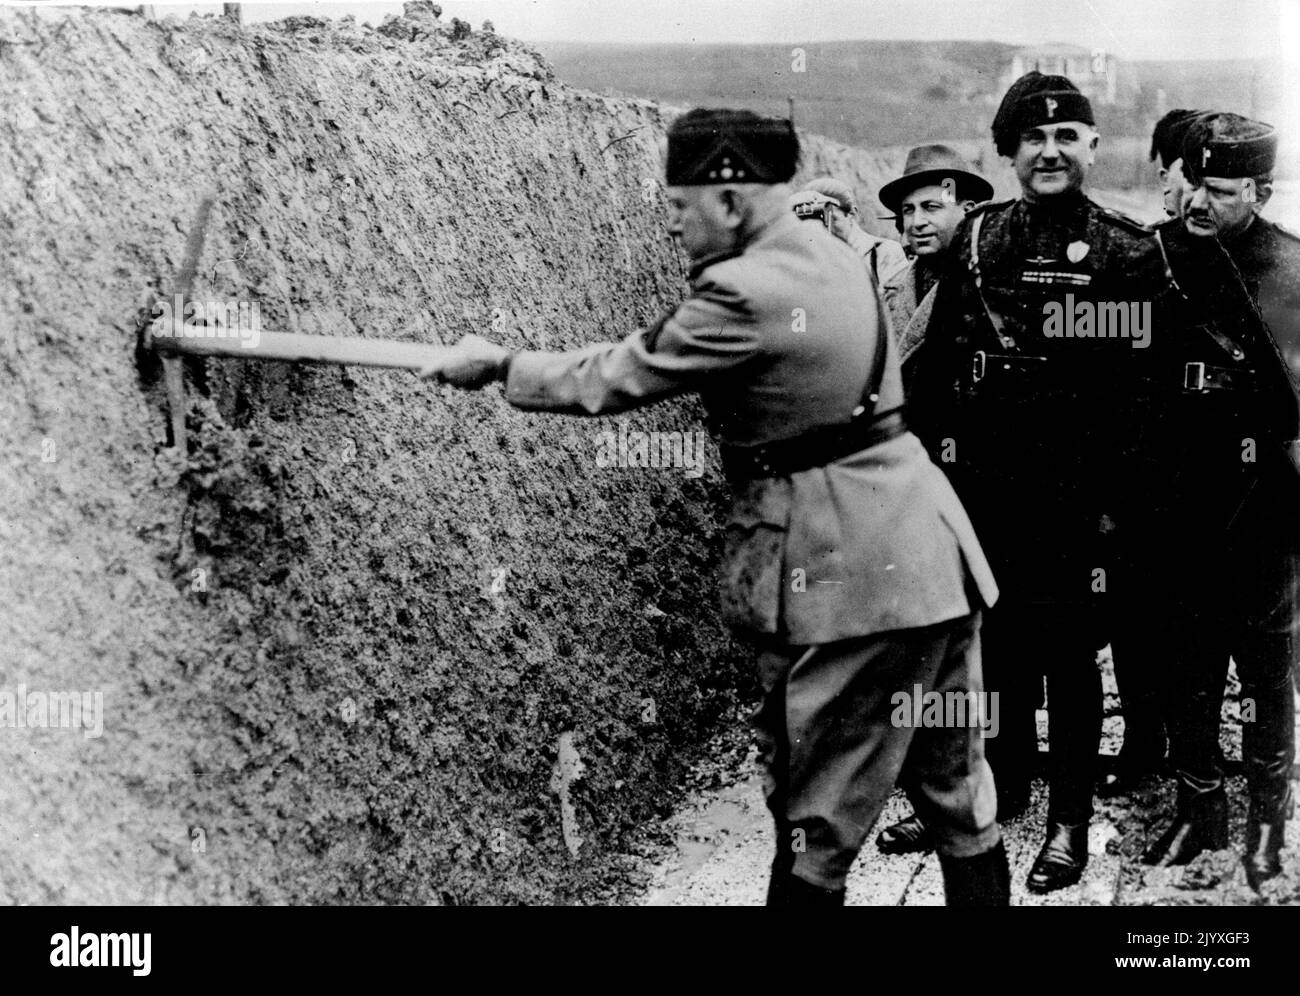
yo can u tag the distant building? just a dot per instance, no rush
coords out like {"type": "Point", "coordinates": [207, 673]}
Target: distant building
{"type": "Point", "coordinates": [1094, 72]}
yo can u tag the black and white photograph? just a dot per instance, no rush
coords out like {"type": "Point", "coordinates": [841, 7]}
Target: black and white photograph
{"type": "Point", "coordinates": [716, 453]}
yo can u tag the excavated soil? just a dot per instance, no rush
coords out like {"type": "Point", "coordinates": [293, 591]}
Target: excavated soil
{"type": "Point", "coordinates": [340, 634]}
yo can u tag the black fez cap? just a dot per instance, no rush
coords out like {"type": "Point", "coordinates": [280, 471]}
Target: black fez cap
{"type": "Point", "coordinates": [1036, 99]}
{"type": "Point", "coordinates": [1168, 134]}
{"type": "Point", "coordinates": [1228, 145]}
{"type": "Point", "coordinates": [708, 146]}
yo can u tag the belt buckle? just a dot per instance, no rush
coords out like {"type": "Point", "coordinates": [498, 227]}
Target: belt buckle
{"type": "Point", "coordinates": [979, 361]}
{"type": "Point", "coordinates": [1194, 377]}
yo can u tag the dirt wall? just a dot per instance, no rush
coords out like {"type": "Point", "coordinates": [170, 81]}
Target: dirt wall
{"type": "Point", "coordinates": [364, 640]}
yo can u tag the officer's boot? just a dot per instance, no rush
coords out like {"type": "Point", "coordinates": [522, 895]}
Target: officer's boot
{"type": "Point", "coordinates": [1268, 753]}
{"type": "Point", "coordinates": [1200, 824]}
{"type": "Point", "coordinates": [1271, 803]}
{"type": "Point", "coordinates": [981, 880]}
{"type": "Point", "coordinates": [1074, 704]}
{"type": "Point", "coordinates": [788, 890]}
{"type": "Point", "coordinates": [908, 836]}
{"type": "Point", "coordinates": [1061, 861]}
{"type": "Point", "coordinates": [1264, 841]}
{"type": "Point", "coordinates": [795, 892]}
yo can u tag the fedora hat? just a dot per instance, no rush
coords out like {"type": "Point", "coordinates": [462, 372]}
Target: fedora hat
{"type": "Point", "coordinates": [929, 164]}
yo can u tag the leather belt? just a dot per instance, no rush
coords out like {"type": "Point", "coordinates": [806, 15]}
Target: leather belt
{"type": "Point", "coordinates": [815, 448]}
{"type": "Point", "coordinates": [985, 364]}
{"type": "Point", "coordinates": [1201, 377]}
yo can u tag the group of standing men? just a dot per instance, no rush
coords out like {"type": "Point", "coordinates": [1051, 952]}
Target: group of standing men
{"type": "Point", "coordinates": [1111, 403]}
{"type": "Point", "coordinates": [1117, 408]}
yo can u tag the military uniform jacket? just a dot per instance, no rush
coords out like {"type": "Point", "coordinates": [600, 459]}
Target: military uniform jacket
{"type": "Point", "coordinates": [1235, 323]}
{"type": "Point", "coordinates": [777, 340]}
{"type": "Point", "coordinates": [1267, 257]}
{"type": "Point", "coordinates": [1040, 426]}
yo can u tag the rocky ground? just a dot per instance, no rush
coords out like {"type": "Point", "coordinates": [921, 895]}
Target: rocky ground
{"type": "Point", "coordinates": [716, 850]}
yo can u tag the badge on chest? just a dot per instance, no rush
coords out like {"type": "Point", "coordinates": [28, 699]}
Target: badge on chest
{"type": "Point", "coordinates": [1052, 271]}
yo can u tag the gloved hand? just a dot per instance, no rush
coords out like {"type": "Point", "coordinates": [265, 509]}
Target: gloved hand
{"type": "Point", "coordinates": [470, 364]}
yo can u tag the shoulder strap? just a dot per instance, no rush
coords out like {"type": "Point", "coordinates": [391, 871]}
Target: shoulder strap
{"type": "Point", "coordinates": [1164, 256]}
{"type": "Point", "coordinates": [1222, 341]}
{"type": "Point", "coordinates": [866, 410]}
{"type": "Point", "coordinates": [999, 324]}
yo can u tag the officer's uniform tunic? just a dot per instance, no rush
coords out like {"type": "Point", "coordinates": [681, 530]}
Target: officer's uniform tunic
{"type": "Point", "coordinates": [1232, 533]}
{"type": "Point", "coordinates": [856, 579]}
{"type": "Point", "coordinates": [1032, 428]}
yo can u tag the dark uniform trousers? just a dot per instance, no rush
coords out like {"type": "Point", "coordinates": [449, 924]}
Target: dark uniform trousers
{"type": "Point", "coordinates": [832, 753]}
{"type": "Point", "coordinates": [1037, 424]}
{"type": "Point", "coordinates": [1230, 543]}
{"type": "Point", "coordinates": [1254, 620]}
{"type": "Point", "coordinates": [1025, 654]}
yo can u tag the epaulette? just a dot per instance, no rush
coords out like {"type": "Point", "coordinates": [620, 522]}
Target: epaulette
{"type": "Point", "coordinates": [1121, 220]}
{"type": "Point", "coordinates": [1283, 231]}
{"type": "Point", "coordinates": [985, 206]}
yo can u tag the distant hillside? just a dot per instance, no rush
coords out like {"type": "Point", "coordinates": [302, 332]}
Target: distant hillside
{"type": "Point", "coordinates": [862, 93]}
{"type": "Point", "coordinates": [878, 93]}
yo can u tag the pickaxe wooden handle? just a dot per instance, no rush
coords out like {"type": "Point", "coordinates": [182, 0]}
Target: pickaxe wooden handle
{"type": "Point", "coordinates": [292, 347]}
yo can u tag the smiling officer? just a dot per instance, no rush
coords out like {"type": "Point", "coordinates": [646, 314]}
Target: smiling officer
{"type": "Point", "coordinates": [1031, 429]}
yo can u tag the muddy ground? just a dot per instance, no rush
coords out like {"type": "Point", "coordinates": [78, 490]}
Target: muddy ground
{"type": "Point", "coordinates": [716, 850]}
{"type": "Point", "coordinates": [344, 635]}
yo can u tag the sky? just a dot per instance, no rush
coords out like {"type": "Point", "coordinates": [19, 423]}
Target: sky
{"type": "Point", "coordinates": [1132, 29]}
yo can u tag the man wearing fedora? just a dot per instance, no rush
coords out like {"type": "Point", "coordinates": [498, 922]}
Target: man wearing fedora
{"type": "Point", "coordinates": [1035, 430]}
{"type": "Point", "coordinates": [848, 561]}
{"type": "Point", "coordinates": [928, 202]}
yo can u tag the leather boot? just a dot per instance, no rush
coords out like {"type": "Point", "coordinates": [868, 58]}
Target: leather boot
{"type": "Point", "coordinates": [1263, 846]}
{"type": "Point", "coordinates": [909, 836]}
{"type": "Point", "coordinates": [1265, 837]}
{"type": "Point", "coordinates": [788, 890]}
{"type": "Point", "coordinates": [1061, 861]}
{"type": "Point", "coordinates": [1200, 824]}
{"type": "Point", "coordinates": [981, 880]}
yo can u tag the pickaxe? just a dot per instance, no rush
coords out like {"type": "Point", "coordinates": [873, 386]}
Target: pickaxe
{"type": "Point", "coordinates": [283, 346]}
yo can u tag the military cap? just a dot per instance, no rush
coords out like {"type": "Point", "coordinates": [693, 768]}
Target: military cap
{"type": "Point", "coordinates": [1229, 145]}
{"type": "Point", "coordinates": [1169, 132]}
{"type": "Point", "coordinates": [707, 146]}
{"type": "Point", "coordinates": [930, 164]}
{"type": "Point", "coordinates": [1033, 100]}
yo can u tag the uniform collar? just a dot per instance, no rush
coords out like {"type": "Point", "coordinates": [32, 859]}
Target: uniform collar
{"type": "Point", "coordinates": [780, 224]}
{"type": "Point", "coordinates": [1070, 202]}
{"type": "Point", "coordinates": [1252, 249]}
